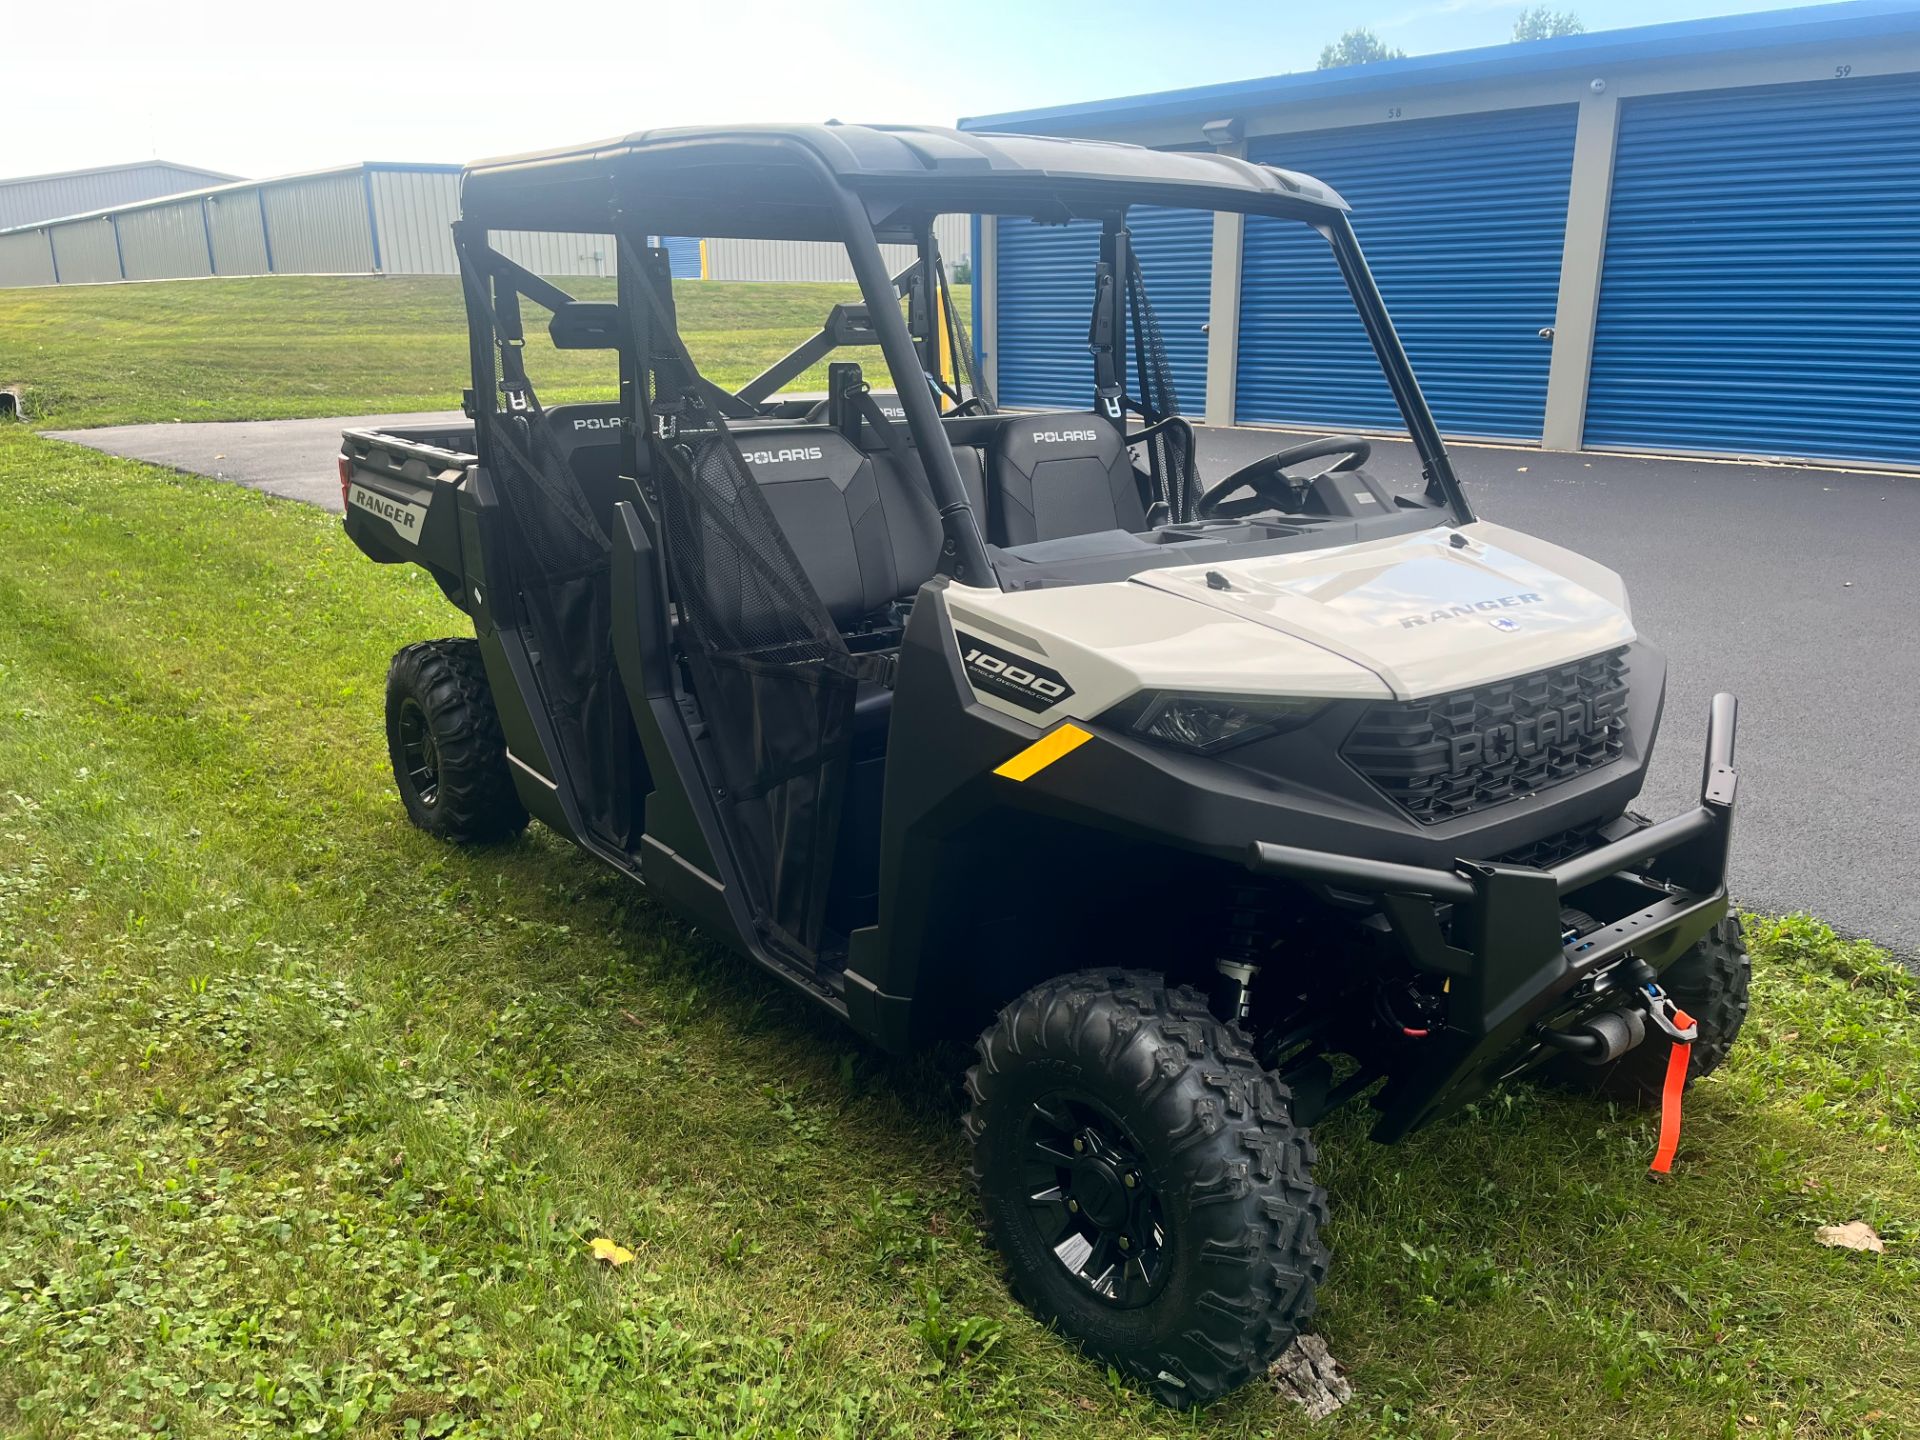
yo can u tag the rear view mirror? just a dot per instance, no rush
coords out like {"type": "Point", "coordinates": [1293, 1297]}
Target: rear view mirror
{"type": "Point", "coordinates": [586, 325]}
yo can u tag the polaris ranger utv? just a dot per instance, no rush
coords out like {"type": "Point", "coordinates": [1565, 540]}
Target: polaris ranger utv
{"type": "Point", "coordinates": [1209, 802]}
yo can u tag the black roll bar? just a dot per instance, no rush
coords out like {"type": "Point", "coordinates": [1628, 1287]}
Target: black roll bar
{"type": "Point", "coordinates": [965, 549]}
{"type": "Point", "coordinates": [846, 326]}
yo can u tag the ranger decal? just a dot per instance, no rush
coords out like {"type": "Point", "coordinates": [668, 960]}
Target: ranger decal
{"type": "Point", "coordinates": [1477, 607]}
{"type": "Point", "coordinates": [405, 518]}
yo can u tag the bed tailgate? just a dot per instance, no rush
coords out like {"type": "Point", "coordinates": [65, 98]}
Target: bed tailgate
{"type": "Point", "coordinates": [400, 496]}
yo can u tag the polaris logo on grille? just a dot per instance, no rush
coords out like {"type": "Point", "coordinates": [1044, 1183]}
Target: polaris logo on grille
{"type": "Point", "coordinates": [1467, 610]}
{"type": "Point", "coordinates": [1027, 683]}
{"type": "Point", "coordinates": [1529, 735]}
{"type": "Point", "coordinates": [1063, 437]}
{"type": "Point", "coordinates": [775, 457]}
{"type": "Point", "coordinates": [600, 422]}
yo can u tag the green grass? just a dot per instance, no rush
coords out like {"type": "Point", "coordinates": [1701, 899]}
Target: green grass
{"type": "Point", "coordinates": [306, 1120]}
{"type": "Point", "coordinates": [340, 345]}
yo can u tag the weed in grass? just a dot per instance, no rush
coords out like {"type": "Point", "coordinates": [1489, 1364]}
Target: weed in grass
{"type": "Point", "coordinates": [952, 1339]}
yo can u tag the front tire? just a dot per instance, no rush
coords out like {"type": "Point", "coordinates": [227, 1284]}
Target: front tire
{"type": "Point", "coordinates": [1144, 1180]}
{"type": "Point", "coordinates": [443, 737]}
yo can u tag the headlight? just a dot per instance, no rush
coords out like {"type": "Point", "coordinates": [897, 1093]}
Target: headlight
{"type": "Point", "coordinates": [1207, 724]}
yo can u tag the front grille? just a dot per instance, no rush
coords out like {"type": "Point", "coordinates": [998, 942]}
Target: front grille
{"type": "Point", "coordinates": [1459, 754]}
{"type": "Point", "coordinates": [1550, 850]}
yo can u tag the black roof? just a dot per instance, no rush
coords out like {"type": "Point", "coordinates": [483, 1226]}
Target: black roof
{"type": "Point", "coordinates": [779, 181]}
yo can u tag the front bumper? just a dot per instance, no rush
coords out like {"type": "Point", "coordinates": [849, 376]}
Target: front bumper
{"type": "Point", "coordinates": [1495, 932]}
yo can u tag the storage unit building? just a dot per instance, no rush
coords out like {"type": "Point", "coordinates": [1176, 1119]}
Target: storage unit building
{"type": "Point", "coordinates": [1696, 237]}
{"type": "Point", "coordinates": [1046, 279]}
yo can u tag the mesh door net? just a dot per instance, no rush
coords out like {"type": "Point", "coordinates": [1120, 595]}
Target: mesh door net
{"type": "Point", "coordinates": [774, 679]}
{"type": "Point", "coordinates": [562, 562]}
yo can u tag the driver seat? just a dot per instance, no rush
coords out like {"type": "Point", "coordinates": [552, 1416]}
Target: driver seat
{"type": "Point", "coordinates": [1060, 474]}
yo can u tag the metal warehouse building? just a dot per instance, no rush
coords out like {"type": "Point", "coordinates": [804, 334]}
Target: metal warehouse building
{"type": "Point", "coordinates": [360, 219]}
{"type": "Point", "coordinates": [1701, 236]}
{"type": "Point", "coordinates": [45, 197]}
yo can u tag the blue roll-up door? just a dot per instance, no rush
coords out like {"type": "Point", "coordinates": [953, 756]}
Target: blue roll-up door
{"type": "Point", "coordinates": [683, 256]}
{"type": "Point", "coordinates": [1761, 287]}
{"type": "Point", "coordinates": [1044, 294]}
{"type": "Point", "coordinates": [1462, 220]}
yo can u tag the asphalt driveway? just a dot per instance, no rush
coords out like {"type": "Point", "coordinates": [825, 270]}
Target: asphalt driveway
{"type": "Point", "coordinates": [1796, 589]}
{"type": "Point", "coordinates": [293, 459]}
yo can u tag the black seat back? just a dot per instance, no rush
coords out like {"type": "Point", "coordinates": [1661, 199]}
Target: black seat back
{"type": "Point", "coordinates": [1055, 475]}
{"type": "Point", "coordinates": [864, 533]}
{"type": "Point", "coordinates": [826, 498]}
{"type": "Point", "coordinates": [587, 437]}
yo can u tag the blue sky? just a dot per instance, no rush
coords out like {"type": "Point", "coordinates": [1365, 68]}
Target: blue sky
{"type": "Point", "coordinates": [256, 87]}
{"type": "Point", "coordinates": [1248, 41]}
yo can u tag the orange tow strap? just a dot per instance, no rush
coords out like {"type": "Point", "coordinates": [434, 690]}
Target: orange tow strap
{"type": "Point", "coordinates": [1677, 1061]}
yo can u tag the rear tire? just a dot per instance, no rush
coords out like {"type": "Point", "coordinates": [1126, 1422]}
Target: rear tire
{"type": "Point", "coordinates": [1709, 982]}
{"type": "Point", "coordinates": [443, 737]}
{"type": "Point", "coordinates": [1107, 1105]}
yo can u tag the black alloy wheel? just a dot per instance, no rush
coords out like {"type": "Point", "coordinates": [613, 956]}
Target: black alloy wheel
{"type": "Point", "coordinates": [448, 752]}
{"type": "Point", "coordinates": [1091, 1199]}
{"type": "Point", "coordinates": [419, 755]}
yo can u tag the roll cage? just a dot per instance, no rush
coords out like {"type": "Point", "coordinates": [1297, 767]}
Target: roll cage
{"type": "Point", "coordinates": [863, 186]}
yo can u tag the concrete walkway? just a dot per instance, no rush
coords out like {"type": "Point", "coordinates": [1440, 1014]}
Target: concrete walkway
{"type": "Point", "coordinates": [1795, 589]}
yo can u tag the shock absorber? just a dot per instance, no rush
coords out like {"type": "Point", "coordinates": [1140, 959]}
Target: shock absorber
{"type": "Point", "coordinates": [1249, 937]}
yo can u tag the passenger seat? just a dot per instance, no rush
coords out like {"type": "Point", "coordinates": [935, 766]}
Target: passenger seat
{"type": "Point", "coordinates": [1056, 475]}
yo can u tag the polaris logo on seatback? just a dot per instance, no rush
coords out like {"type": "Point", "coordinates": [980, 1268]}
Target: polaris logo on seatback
{"type": "Point", "coordinates": [775, 457]}
{"type": "Point", "coordinates": [1027, 683]}
{"type": "Point", "coordinates": [600, 422]}
{"type": "Point", "coordinates": [1062, 437]}
{"type": "Point", "coordinates": [1467, 610]}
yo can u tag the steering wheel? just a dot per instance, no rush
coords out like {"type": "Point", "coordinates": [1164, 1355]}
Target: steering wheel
{"type": "Point", "coordinates": [1265, 479]}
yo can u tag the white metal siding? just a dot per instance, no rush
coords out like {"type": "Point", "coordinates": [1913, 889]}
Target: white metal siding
{"type": "Point", "coordinates": [319, 226]}
{"type": "Point", "coordinates": [166, 242]}
{"type": "Point", "coordinates": [50, 197]}
{"type": "Point", "coordinates": [822, 260]}
{"type": "Point", "coordinates": [239, 242]}
{"type": "Point", "coordinates": [415, 210]}
{"type": "Point", "coordinates": [86, 252]}
{"type": "Point", "coordinates": [548, 252]}
{"type": "Point", "coordinates": [25, 259]}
